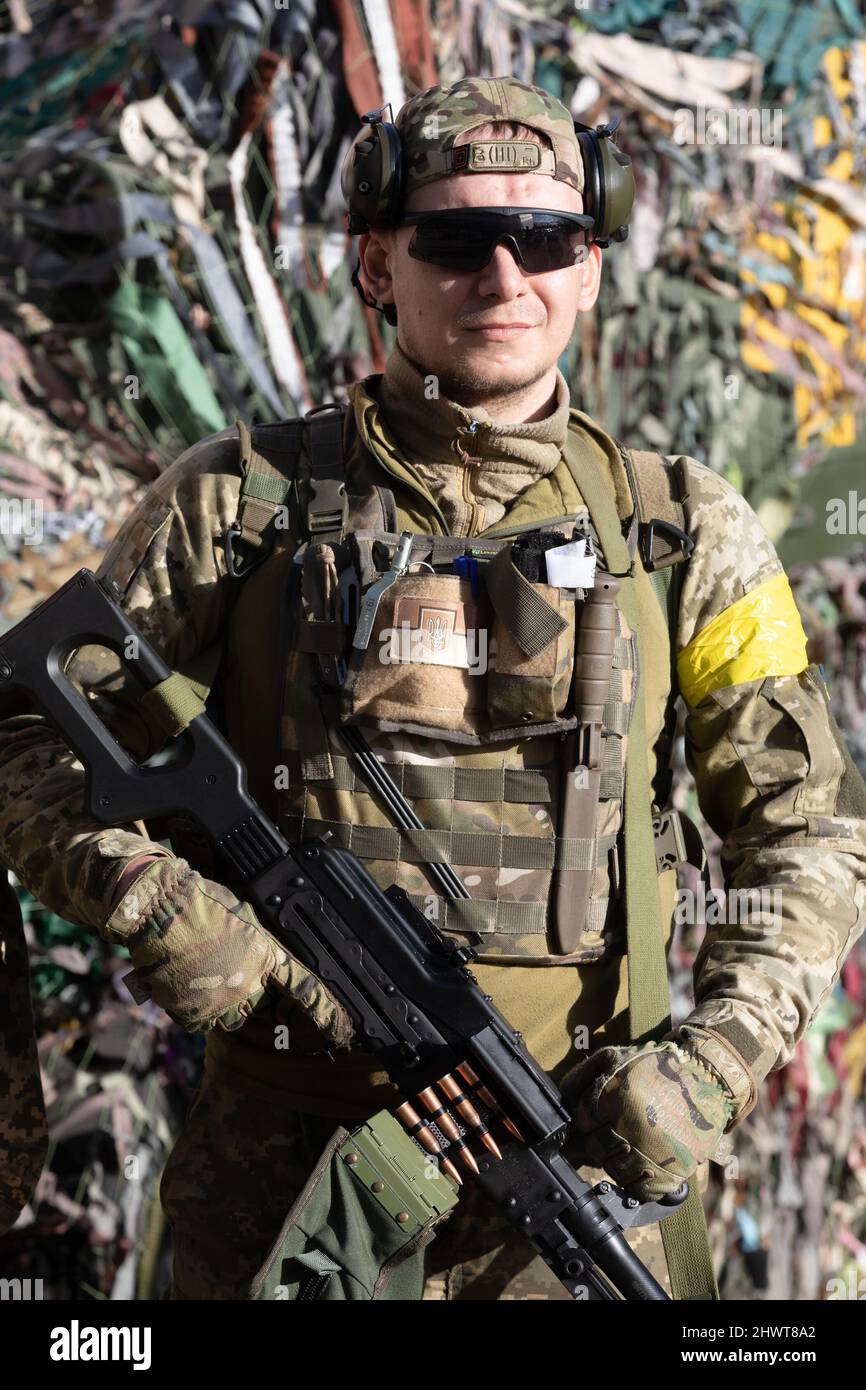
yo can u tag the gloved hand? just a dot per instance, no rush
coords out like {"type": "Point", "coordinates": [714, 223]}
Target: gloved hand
{"type": "Point", "coordinates": [204, 957]}
{"type": "Point", "coordinates": [649, 1115]}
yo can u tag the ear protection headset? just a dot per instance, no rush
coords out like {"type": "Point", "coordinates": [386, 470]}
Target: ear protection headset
{"type": "Point", "coordinates": [372, 181]}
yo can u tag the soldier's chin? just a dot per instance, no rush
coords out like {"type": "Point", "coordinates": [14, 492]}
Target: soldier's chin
{"type": "Point", "coordinates": [473, 383]}
{"type": "Point", "coordinates": [504, 360]}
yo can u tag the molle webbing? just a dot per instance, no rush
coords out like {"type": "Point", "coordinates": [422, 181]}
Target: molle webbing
{"type": "Point", "coordinates": [477, 848]}
{"type": "Point", "coordinates": [489, 916]}
{"type": "Point", "coordinates": [486, 916]}
{"type": "Point", "coordinates": [612, 776]}
{"type": "Point", "coordinates": [477, 784]}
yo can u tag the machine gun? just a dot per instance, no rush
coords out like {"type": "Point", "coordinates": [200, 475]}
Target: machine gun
{"type": "Point", "coordinates": [408, 990]}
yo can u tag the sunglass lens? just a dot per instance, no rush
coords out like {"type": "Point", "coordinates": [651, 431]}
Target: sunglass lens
{"type": "Point", "coordinates": [552, 246]}
{"type": "Point", "coordinates": [468, 244]}
{"type": "Point", "coordinates": [463, 247]}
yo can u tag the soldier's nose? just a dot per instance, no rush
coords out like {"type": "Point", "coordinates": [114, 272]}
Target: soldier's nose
{"type": "Point", "coordinates": [502, 268]}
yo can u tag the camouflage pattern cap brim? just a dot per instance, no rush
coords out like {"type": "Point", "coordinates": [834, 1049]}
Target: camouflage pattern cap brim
{"type": "Point", "coordinates": [431, 122]}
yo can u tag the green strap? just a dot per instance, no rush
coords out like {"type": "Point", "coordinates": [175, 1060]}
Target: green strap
{"type": "Point", "coordinates": [661, 582]}
{"type": "Point", "coordinates": [201, 669]}
{"type": "Point", "coordinates": [173, 703]}
{"type": "Point", "coordinates": [684, 1233]}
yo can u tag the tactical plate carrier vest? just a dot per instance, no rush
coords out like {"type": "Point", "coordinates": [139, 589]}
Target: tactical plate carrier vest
{"type": "Point", "coordinates": [464, 683]}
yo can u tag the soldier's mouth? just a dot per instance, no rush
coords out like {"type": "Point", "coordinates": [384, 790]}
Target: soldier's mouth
{"type": "Point", "coordinates": [500, 331]}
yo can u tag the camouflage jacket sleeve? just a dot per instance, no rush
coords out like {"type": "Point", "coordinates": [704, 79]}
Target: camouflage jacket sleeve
{"type": "Point", "coordinates": [168, 563]}
{"type": "Point", "coordinates": [778, 786]}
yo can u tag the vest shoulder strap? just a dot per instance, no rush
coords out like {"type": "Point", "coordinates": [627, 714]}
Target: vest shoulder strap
{"type": "Point", "coordinates": [268, 458]}
{"type": "Point", "coordinates": [272, 458]}
{"type": "Point", "coordinates": [270, 462]}
{"type": "Point", "coordinates": [659, 488]}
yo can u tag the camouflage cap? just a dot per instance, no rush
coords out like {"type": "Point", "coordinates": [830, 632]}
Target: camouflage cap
{"type": "Point", "coordinates": [430, 123]}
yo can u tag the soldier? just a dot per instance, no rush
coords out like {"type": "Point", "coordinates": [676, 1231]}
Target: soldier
{"type": "Point", "coordinates": [235, 568]}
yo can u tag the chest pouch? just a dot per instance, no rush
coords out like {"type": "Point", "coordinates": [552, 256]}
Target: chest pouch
{"type": "Point", "coordinates": [482, 655]}
{"type": "Point", "coordinates": [532, 638]}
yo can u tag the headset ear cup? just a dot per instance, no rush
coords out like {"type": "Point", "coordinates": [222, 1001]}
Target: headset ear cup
{"type": "Point", "coordinates": [592, 193]}
{"type": "Point", "coordinates": [619, 190]}
{"type": "Point", "coordinates": [608, 194]}
{"type": "Point", "coordinates": [394, 206]}
{"type": "Point", "coordinates": [358, 176]}
{"type": "Point", "coordinates": [396, 175]}
{"type": "Point", "coordinates": [372, 176]}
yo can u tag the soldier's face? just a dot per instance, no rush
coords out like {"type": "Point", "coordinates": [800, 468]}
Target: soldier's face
{"type": "Point", "coordinates": [447, 318]}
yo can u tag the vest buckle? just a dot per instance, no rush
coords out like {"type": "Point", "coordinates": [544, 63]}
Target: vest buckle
{"type": "Point", "coordinates": [680, 550]}
{"type": "Point", "coordinates": [231, 534]}
{"type": "Point", "coordinates": [328, 508]}
{"type": "Point", "coordinates": [328, 505]}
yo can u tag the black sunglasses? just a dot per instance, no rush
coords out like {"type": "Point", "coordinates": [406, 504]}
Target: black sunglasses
{"type": "Point", "coordinates": [464, 239]}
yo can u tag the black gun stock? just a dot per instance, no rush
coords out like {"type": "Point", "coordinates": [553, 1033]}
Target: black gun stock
{"type": "Point", "coordinates": [407, 988]}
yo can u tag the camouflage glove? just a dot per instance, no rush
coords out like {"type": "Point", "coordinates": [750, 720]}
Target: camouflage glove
{"type": "Point", "coordinates": [204, 957]}
{"type": "Point", "coordinates": [650, 1115]}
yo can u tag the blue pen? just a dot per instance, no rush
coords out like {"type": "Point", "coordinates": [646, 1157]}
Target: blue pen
{"type": "Point", "coordinates": [466, 566]}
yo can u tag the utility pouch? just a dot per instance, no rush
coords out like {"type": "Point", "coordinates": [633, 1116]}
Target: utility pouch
{"type": "Point", "coordinates": [533, 638]}
{"type": "Point", "coordinates": [425, 665]}
{"type": "Point", "coordinates": [358, 1229]}
{"type": "Point", "coordinates": [481, 661]}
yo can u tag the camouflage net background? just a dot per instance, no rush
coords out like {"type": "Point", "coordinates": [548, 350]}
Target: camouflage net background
{"type": "Point", "coordinates": [174, 255]}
